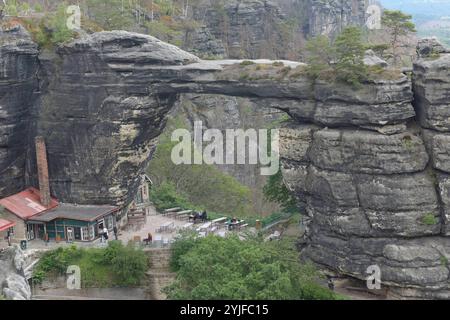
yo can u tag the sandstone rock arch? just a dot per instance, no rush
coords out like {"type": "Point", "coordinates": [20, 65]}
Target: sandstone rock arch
{"type": "Point", "coordinates": [373, 178]}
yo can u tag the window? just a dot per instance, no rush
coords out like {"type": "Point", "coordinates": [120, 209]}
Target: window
{"type": "Point", "coordinates": [109, 222]}
{"type": "Point", "coordinates": [91, 233]}
{"type": "Point", "coordinates": [85, 234]}
{"type": "Point", "coordinates": [138, 199]}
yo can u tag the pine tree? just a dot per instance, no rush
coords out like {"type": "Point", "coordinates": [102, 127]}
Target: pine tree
{"type": "Point", "coordinates": [398, 24]}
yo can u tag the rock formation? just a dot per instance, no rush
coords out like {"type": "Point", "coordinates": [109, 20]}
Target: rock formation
{"type": "Point", "coordinates": [374, 181]}
{"type": "Point", "coordinates": [330, 17]}
{"type": "Point", "coordinates": [18, 88]}
{"type": "Point", "coordinates": [13, 283]}
{"type": "Point", "coordinates": [246, 28]}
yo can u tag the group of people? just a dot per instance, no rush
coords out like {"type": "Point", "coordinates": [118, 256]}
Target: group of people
{"type": "Point", "coordinates": [232, 223]}
{"type": "Point", "coordinates": [199, 216]}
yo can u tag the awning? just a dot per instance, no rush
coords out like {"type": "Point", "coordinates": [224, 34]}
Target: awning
{"type": "Point", "coordinates": [6, 224]}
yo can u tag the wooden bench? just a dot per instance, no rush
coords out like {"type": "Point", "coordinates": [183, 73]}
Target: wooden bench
{"type": "Point", "coordinates": [171, 211]}
{"type": "Point", "coordinates": [183, 214]}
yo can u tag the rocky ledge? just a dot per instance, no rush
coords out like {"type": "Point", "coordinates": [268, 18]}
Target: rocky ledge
{"type": "Point", "coordinates": [378, 194]}
{"type": "Point", "coordinates": [13, 282]}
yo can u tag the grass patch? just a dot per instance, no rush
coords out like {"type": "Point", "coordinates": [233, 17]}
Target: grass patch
{"type": "Point", "coordinates": [430, 220]}
{"type": "Point", "coordinates": [444, 261]}
{"type": "Point", "coordinates": [246, 63]}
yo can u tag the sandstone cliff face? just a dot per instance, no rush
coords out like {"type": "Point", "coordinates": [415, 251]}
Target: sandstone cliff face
{"type": "Point", "coordinates": [330, 17]}
{"type": "Point", "coordinates": [374, 181]}
{"type": "Point", "coordinates": [246, 28]}
{"type": "Point", "coordinates": [18, 86]}
{"type": "Point", "coordinates": [99, 116]}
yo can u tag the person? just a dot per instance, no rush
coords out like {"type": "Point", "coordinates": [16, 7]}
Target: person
{"type": "Point", "coordinates": [204, 216]}
{"type": "Point", "coordinates": [331, 284]}
{"type": "Point", "coordinates": [149, 240]}
{"type": "Point", "coordinates": [116, 233]}
{"type": "Point", "coordinates": [8, 235]}
{"type": "Point", "coordinates": [232, 223]}
{"type": "Point", "coordinates": [105, 235]}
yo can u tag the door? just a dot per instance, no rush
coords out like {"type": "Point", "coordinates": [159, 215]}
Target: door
{"type": "Point", "coordinates": [77, 232]}
{"type": "Point", "coordinates": [40, 232]}
{"type": "Point", "coordinates": [101, 225]}
{"type": "Point", "coordinates": [69, 232]}
{"type": "Point", "coordinates": [30, 232]}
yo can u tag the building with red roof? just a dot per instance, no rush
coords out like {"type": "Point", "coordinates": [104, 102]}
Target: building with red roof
{"type": "Point", "coordinates": [6, 224]}
{"type": "Point", "coordinates": [35, 214]}
{"type": "Point", "coordinates": [6, 229]}
{"type": "Point", "coordinates": [21, 207]}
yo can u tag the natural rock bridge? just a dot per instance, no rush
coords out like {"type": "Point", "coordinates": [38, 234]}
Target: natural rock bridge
{"type": "Point", "coordinates": [373, 176]}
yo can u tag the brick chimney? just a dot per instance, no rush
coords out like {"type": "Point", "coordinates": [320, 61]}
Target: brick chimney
{"type": "Point", "coordinates": [42, 165]}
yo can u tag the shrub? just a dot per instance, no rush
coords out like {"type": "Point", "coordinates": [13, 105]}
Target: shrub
{"type": "Point", "coordinates": [275, 190]}
{"type": "Point", "coordinates": [165, 196]}
{"type": "Point", "coordinates": [116, 265]}
{"type": "Point", "coordinates": [429, 219]}
{"type": "Point", "coordinates": [247, 63]}
{"type": "Point", "coordinates": [129, 265]}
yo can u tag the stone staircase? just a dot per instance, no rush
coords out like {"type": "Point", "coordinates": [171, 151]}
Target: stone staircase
{"type": "Point", "coordinates": [159, 275]}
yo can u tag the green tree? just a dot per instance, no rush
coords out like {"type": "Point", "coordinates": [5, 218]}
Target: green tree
{"type": "Point", "coordinates": [399, 24]}
{"type": "Point", "coordinates": [215, 268]}
{"type": "Point", "coordinates": [275, 190]}
{"type": "Point", "coordinates": [111, 14]}
{"type": "Point", "coordinates": [319, 56]}
{"type": "Point", "coordinates": [350, 50]}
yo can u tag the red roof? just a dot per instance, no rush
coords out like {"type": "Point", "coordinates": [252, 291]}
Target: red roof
{"type": "Point", "coordinates": [26, 204]}
{"type": "Point", "coordinates": [6, 224]}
